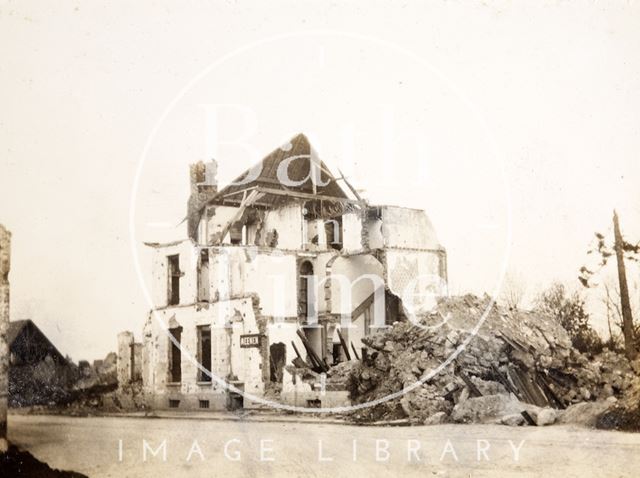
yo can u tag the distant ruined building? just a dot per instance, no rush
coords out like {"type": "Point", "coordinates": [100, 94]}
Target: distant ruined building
{"type": "Point", "coordinates": [276, 276]}
{"type": "Point", "coordinates": [38, 373]}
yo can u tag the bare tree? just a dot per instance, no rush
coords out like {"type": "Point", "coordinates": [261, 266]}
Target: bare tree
{"type": "Point", "coordinates": [627, 318]}
{"type": "Point", "coordinates": [611, 300]}
{"type": "Point", "coordinates": [513, 291]}
{"type": "Point", "coordinates": [620, 248]}
{"type": "Point", "coordinates": [613, 313]}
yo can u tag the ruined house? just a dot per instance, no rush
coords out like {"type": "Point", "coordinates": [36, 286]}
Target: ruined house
{"type": "Point", "coordinates": [286, 268]}
{"type": "Point", "coordinates": [38, 372]}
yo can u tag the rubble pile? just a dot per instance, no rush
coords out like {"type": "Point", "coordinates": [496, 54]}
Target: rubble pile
{"type": "Point", "coordinates": [102, 372]}
{"type": "Point", "coordinates": [519, 368]}
{"type": "Point", "coordinates": [127, 397]}
{"type": "Point", "coordinates": [339, 377]}
{"type": "Point", "coordinates": [96, 390]}
{"type": "Point", "coordinates": [625, 413]}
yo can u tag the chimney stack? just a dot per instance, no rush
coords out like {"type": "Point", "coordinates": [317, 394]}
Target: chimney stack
{"type": "Point", "coordinates": [204, 187]}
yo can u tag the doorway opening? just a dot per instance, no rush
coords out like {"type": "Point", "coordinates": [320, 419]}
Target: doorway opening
{"type": "Point", "coordinates": [278, 357]}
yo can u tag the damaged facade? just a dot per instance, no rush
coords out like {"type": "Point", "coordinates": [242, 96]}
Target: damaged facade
{"type": "Point", "coordinates": [278, 282]}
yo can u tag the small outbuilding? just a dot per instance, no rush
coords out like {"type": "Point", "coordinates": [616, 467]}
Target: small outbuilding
{"type": "Point", "coordinates": [38, 372]}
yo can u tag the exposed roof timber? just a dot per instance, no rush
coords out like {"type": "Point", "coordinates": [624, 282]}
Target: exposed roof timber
{"type": "Point", "coordinates": [351, 188]}
{"type": "Point", "coordinates": [296, 194]}
{"type": "Point", "coordinates": [247, 200]}
{"type": "Point", "coordinates": [242, 191]}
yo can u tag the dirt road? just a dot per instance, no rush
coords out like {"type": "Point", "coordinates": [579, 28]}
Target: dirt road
{"type": "Point", "coordinates": [115, 447]}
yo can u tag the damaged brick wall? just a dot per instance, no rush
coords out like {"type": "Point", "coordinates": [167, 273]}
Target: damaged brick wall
{"type": "Point", "coordinates": [287, 221]}
{"type": "Point", "coordinates": [129, 361]}
{"type": "Point", "coordinates": [419, 275]}
{"type": "Point", "coordinates": [352, 232]}
{"type": "Point", "coordinates": [5, 265]}
{"type": "Point", "coordinates": [408, 228]}
{"type": "Point", "coordinates": [203, 188]}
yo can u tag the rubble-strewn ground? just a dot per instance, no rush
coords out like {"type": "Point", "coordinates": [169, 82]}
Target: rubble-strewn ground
{"type": "Point", "coordinates": [519, 369]}
{"type": "Point", "coordinates": [50, 386]}
{"type": "Point", "coordinates": [16, 463]}
{"type": "Point", "coordinates": [96, 391]}
{"type": "Point", "coordinates": [90, 446]}
{"type": "Point", "coordinates": [96, 400]}
{"type": "Point", "coordinates": [623, 415]}
{"type": "Point", "coordinates": [518, 362]}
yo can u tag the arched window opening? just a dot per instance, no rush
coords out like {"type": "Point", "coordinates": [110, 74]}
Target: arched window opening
{"type": "Point", "coordinates": [305, 298]}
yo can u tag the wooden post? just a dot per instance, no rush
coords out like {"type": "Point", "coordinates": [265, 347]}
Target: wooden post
{"type": "Point", "coordinates": [315, 358]}
{"type": "Point", "coordinates": [344, 345]}
{"type": "Point", "coordinates": [627, 318]}
{"type": "Point", "coordinates": [295, 349]}
{"type": "Point", "coordinates": [354, 351]}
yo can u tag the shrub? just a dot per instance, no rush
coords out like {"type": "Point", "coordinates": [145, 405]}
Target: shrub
{"type": "Point", "coordinates": [570, 312]}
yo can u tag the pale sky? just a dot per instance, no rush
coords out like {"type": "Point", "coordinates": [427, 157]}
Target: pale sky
{"type": "Point", "coordinates": [458, 108]}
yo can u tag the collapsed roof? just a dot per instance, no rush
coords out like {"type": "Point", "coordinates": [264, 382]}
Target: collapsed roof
{"type": "Point", "coordinates": [302, 163]}
{"type": "Point", "coordinates": [306, 178]}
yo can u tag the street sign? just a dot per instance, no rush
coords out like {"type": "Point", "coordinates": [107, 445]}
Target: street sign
{"type": "Point", "coordinates": [251, 340]}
